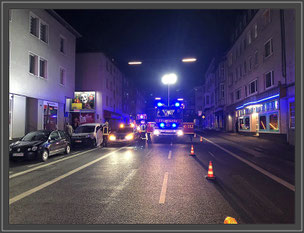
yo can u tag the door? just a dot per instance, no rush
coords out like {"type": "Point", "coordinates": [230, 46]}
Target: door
{"type": "Point", "coordinates": [54, 142]}
{"type": "Point", "coordinates": [63, 141]}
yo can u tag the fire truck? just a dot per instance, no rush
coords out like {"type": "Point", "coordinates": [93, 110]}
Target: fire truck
{"type": "Point", "coordinates": [173, 120]}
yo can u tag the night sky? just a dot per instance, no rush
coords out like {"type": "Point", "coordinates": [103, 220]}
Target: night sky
{"type": "Point", "coordinates": [158, 38]}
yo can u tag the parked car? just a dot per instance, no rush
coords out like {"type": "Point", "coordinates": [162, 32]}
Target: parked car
{"type": "Point", "coordinates": [40, 144]}
{"type": "Point", "coordinates": [88, 135]}
{"type": "Point", "coordinates": [124, 134]}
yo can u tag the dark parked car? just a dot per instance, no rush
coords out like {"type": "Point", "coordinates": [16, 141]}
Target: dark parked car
{"type": "Point", "coordinates": [40, 144]}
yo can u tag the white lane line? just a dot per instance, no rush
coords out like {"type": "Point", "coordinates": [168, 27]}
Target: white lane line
{"type": "Point", "coordinates": [42, 186]}
{"type": "Point", "coordinates": [169, 155]}
{"type": "Point", "coordinates": [149, 153]}
{"type": "Point", "coordinates": [10, 172]}
{"type": "Point", "coordinates": [48, 164]}
{"type": "Point", "coordinates": [36, 164]}
{"type": "Point", "coordinates": [162, 197]}
{"type": "Point", "coordinates": [212, 154]}
{"type": "Point", "coordinates": [266, 173]}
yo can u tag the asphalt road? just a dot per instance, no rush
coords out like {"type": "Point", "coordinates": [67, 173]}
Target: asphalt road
{"type": "Point", "coordinates": [158, 183]}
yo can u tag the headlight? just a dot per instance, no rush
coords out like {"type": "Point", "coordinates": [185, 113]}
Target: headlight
{"type": "Point", "coordinates": [129, 136]}
{"type": "Point", "coordinates": [112, 138]}
{"type": "Point", "coordinates": [180, 133]}
{"type": "Point", "coordinates": [138, 128]}
{"type": "Point", "coordinates": [156, 132]}
{"type": "Point", "coordinates": [34, 148]}
{"type": "Point", "coordinates": [29, 149]}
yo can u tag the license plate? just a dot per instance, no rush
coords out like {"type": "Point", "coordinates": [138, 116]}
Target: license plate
{"type": "Point", "coordinates": [77, 140]}
{"type": "Point", "coordinates": [17, 154]}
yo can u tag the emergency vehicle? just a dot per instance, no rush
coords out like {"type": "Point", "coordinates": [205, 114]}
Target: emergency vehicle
{"type": "Point", "coordinates": [172, 120]}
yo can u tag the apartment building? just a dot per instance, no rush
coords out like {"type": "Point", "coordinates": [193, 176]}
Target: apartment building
{"type": "Point", "coordinates": [199, 103]}
{"type": "Point", "coordinates": [97, 73]}
{"type": "Point", "coordinates": [41, 70]}
{"type": "Point", "coordinates": [261, 74]}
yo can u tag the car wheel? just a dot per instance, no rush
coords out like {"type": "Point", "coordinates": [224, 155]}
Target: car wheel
{"type": "Point", "coordinates": [44, 155]}
{"type": "Point", "coordinates": [68, 149]}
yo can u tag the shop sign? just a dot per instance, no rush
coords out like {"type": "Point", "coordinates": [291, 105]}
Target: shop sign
{"type": "Point", "coordinates": [83, 101]}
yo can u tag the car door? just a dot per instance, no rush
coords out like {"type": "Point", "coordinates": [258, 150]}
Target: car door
{"type": "Point", "coordinates": [54, 142]}
{"type": "Point", "coordinates": [99, 135]}
{"type": "Point", "coordinates": [63, 141]}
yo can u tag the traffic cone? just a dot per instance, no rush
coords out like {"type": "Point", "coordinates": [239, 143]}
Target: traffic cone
{"type": "Point", "coordinates": [230, 220]}
{"type": "Point", "coordinates": [192, 150]}
{"type": "Point", "coordinates": [201, 139]}
{"type": "Point", "coordinates": [210, 175]}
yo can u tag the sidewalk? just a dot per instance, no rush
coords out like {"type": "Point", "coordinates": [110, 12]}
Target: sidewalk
{"type": "Point", "coordinates": [259, 145]}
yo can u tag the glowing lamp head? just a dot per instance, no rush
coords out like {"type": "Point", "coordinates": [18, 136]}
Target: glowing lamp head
{"type": "Point", "coordinates": [132, 125]}
{"type": "Point", "coordinates": [162, 125]}
{"type": "Point", "coordinates": [141, 116]}
{"type": "Point", "coordinates": [177, 104]}
{"type": "Point", "coordinates": [159, 104]}
{"type": "Point", "coordinates": [121, 126]}
{"type": "Point", "coordinates": [174, 125]}
{"type": "Point", "coordinates": [169, 79]}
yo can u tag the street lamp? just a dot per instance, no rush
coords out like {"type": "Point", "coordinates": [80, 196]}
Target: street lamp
{"type": "Point", "coordinates": [168, 79]}
{"type": "Point", "coordinates": [134, 62]}
{"type": "Point", "coordinates": [190, 59]}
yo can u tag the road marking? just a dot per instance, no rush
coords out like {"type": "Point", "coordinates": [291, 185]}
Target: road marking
{"type": "Point", "coordinates": [162, 197]}
{"type": "Point", "coordinates": [48, 164]}
{"type": "Point", "coordinates": [42, 186]}
{"type": "Point", "coordinates": [149, 153]}
{"type": "Point", "coordinates": [36, 164]}
{"type": "Point", "coordinates": [266, 173]}
{"type": "Point", "coordinates": [169, 155]}
{"type": "Point", "coordinates": [212, 154]}
{"type": "Point", "coordinates": [10, 172]}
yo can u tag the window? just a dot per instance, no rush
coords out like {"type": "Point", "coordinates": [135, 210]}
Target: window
{"type": "Point", "coordinates": [107, 83]}
{"type": "Point", "coordinates": [263, 123]}
{"type": "Point", "coordinates": [238, 94]}
{"type": "Point", "coordinates": [292, 115]}
{"type": "Point", "coordinates": [245, 123]}
{"type": "Point", "coordinates": [250, 64]}
{"type": "Point", "coordinates": [268, 48]}
{"type": "Point", "coordinates": [44, 32]}
{"type": "Point", "coordinates": [244, 42]}
{"type": "Point", "coordinates": [273, 122]}
{"type": "Point", "coordinates": [34, 21]}
{"type": "Point", "coordinates": [33, 64]}
{"type": "Point", "coordinates": [255, 30]}
{"type": "Point", "coordinates": [230, 78]}
{"type": "Point", "coordinates": [249, 37]}
{"type": "Point", "coordinates": [256, 58]}
{"type": "Point", "coordinates": [222, 90]}
{"type": "Point", "coordinates": [269, 79]}
{"type": "Point", "coordinates": [54, 135]}
{"type": "Point", "coordinates": [245, 91]}
{"type": "Point", "coordinates": [62, 76]}
{"type": "Point", "coordinates": [236, 74]}
{"type": "Point", "coordinates": [266, 16]}
{"type": "Point", "coordinates": [42, 68]}
{"type": "Point", "coordinates": [245, 67]}
{"type": "Point", "coordinates": [231, 98]}
{"type": "Point", "coordinates": [62, 45]}
{"type": "Point", "coordinates": [253, 87]}
{"type": "Point", "coordinates": [241, 73]}
{"type": "Point", "coordinates": [107, 101]}
{"type": "Point", "coordinates": [230, 59]}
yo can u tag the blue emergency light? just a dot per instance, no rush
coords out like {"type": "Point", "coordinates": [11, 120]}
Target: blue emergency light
{"type": "Point", "coordinates": [159, 104]}
{"type": "Point", "coordinates": [177, 104]}
{"type": "Point", "coordinates": [173, 125]}
{"type": "Point", "coordinates": [162, 125]}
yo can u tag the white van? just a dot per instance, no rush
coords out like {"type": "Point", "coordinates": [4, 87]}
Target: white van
{"type": "Point", "coordinates": [88, 135]}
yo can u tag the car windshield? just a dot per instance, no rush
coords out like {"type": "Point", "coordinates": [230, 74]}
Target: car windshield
{"type": "Point", "coordinates": [125, 130]}
{"type": "Point", "coordinates": [36, 136]}
{"type": "Point", "coordinates": [85, 129]}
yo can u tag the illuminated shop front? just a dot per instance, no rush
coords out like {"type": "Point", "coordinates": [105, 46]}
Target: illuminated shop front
{"type": "Point", "coordinates": [262, 115]}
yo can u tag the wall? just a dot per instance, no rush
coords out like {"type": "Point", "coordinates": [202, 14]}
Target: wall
{"type": "Point", "coordinates": [19, 116]}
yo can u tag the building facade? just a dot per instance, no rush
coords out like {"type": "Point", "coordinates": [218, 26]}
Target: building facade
{"type": "Point", "coordinates": [261, 75]}
{"type": "Point", "coordinates": [41, 70]}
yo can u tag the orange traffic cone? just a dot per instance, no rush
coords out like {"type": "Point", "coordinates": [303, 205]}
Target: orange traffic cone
{"type": "Point", "coordinates": [230, 220]}
{"type": "Point", "coordinates": [201, 139]}
{"type": "Point", "coordinates": [210, 175]}
{"type": "Point", "coordinates": [192, 150]}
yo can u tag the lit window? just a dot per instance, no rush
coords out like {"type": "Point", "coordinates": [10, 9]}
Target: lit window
{"type": "Point", "coordinates": [44, 32]}
{"type": "Point", "coordinates": [62, 76]}
{"type": "Point", "coordinates": [263, 123]}
{"type": "Point", "coordinates": [256, 30]}
{"type": "Point", "coordinates": [268, 48]}
{"type": "Point", "coordinates": [269, 79]}
{"type": "Point", "coordinates": [34, 22]}
{"type": "Point", "coordinates": [42, 68]}
{"type": "Point", "coordinates": [273, 122]}
{"type": "Point", "coordinates": [33, 60]}
{"type": "Point", "coordinates": [292, 115]}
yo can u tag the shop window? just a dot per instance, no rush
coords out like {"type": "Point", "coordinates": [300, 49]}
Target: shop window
{"type": "Point", "coordinates": [263, 123]}
{"type": "Point", "coordinates": [245, 123]}
{"type": "Point", "coordinates": [33, 69]}
{"type": "Point", "coordinates": [50, 116]}
{"type": "Point", "coordinates": [273, 122]}
{"type": "Point", "coordinates": [42, 68]}
{"type": "Point", "coordinates": [292, 115]}
{"type": "Point", "coordinates": [268, 48]}
{"type": "Point", "coordinates": [269, 79]}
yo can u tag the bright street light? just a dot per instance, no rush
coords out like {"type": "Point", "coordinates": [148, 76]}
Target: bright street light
{"type": "Point", "coordinates": [189, 59]}
{"type": "Point", "coordinates": [168, 79]}
{"type": "Point", "coordinates": [134, 62]}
